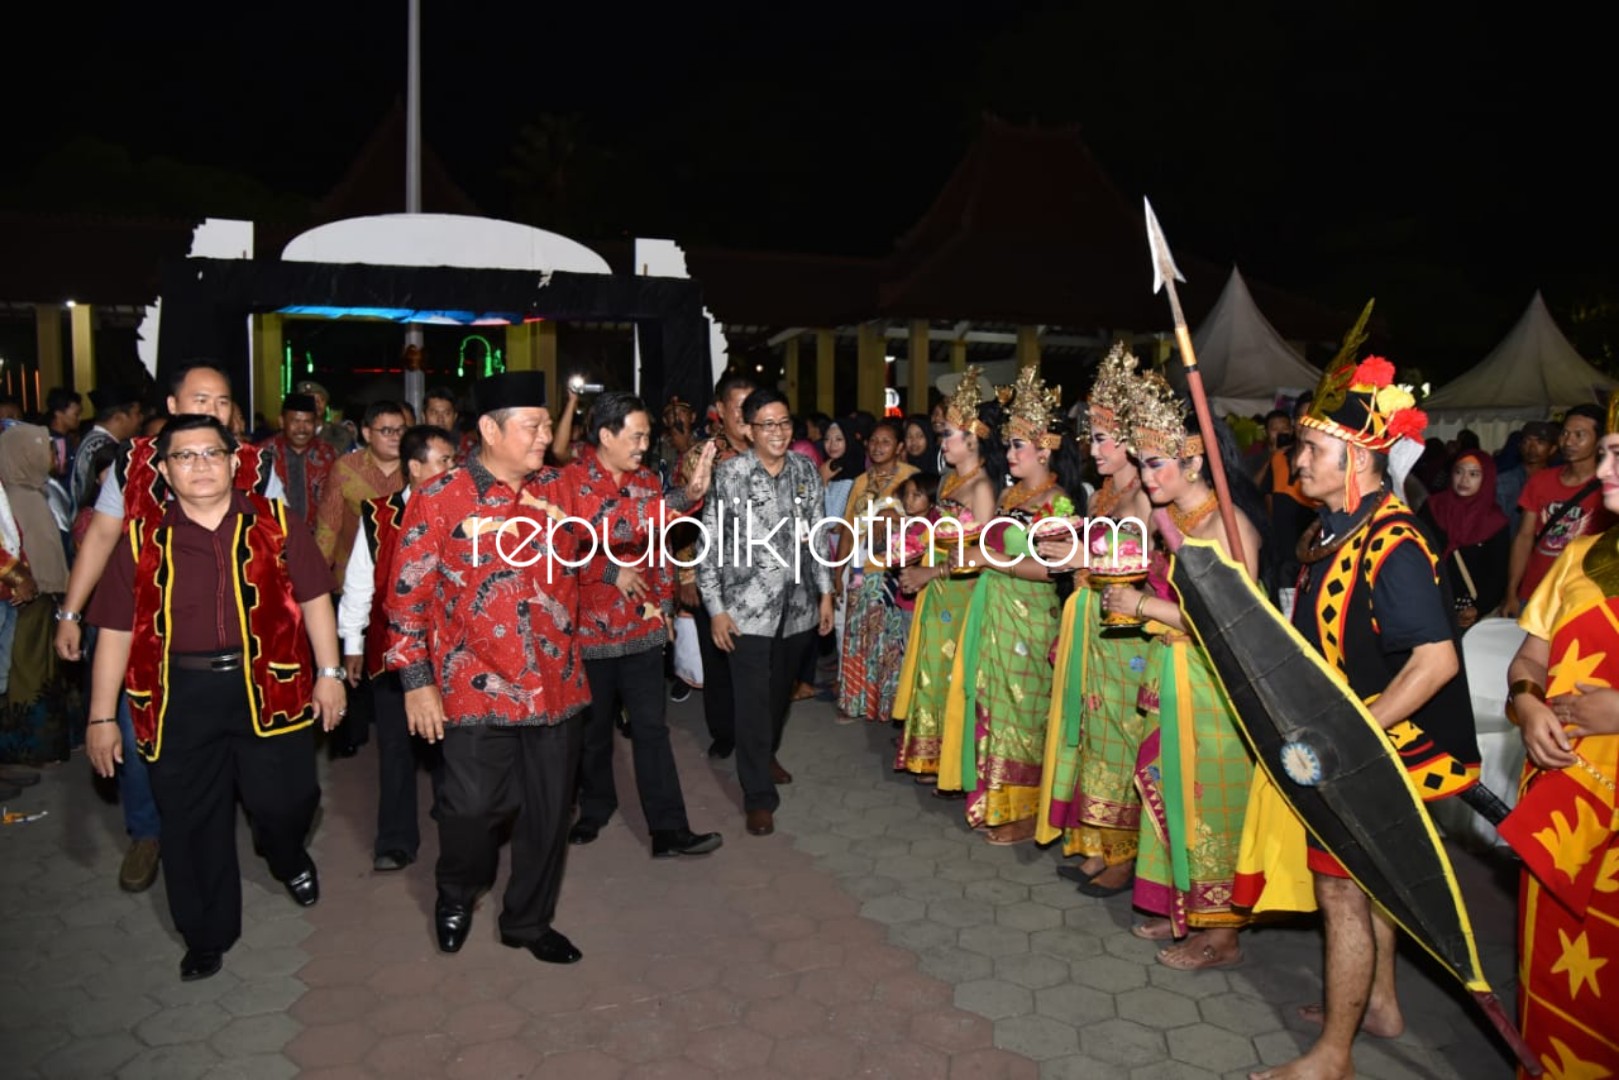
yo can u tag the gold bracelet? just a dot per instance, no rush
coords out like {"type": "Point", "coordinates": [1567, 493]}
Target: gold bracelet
{"type": "Point", "coordinates": [1141, 605]}
{"type": "Point", "coordinates": [1526, 686]}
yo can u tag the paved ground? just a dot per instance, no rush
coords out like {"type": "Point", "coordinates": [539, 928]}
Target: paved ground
{"type": "Point", "coordinates": [871, 936]}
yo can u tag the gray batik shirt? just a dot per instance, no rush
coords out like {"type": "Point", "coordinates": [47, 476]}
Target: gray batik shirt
{"type": "Point", "coordinates": [750, 584]}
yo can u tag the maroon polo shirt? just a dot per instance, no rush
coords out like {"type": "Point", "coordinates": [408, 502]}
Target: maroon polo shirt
{"type": "Point", "coordinates": [205, 619]}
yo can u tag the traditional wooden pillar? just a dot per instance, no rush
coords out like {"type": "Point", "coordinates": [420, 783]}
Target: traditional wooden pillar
{"type": "Point", "coordinates": [48, 349]}
{"type": "Point", "coordinates": [871, 370]}
{"type": "Point", "coordinates": [825, 364]}
{"type": "Point", "coordinates": [533, 347]}
{"type": "Point", "coordinates": [917, 399]}
{"type": "Point", "coordinates": [958, 355]}
{"type": "Point", "coordinates": [790, 367]}
{"type": "Point", "coordinates": [269, 353]}
{"type": "Point", "coordinates": [1028, 346]}
{"type": "Point", "coordinates": [83, 319]}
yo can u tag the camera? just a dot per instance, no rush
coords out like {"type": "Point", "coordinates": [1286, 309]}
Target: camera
{"type": "Point", "coordinates": [578, 385]}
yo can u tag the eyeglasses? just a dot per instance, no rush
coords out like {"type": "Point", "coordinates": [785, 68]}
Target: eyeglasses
{"type": "Point", "coordinates": [773, 425]}
{"type": "Point", "coordinates": [192, 459]}
{"type": "Point", "coordinates": [389, 432]}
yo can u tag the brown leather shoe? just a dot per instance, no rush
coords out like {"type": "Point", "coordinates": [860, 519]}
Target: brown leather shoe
{"type": "Point", "coordinates": [761, 822]}
{"type": "Point", "coordinates": [778, 774]}
{"type": "Point", "coordinates": [140, 866]}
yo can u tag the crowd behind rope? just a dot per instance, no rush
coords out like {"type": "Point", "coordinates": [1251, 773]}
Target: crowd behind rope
{"type": "Point", "coordinates": [1041, 700]}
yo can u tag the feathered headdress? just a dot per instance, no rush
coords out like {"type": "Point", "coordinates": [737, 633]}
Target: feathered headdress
{"type": "Point", "coordinates": [1155, 421]}
{"type": "Point", "coordinates": [962, 409]}
{"type": "Point", "coordinates": [1034, 412]}
{"type": "Point", "coordinates": [1116, 382]}
{"type": "Point", "coordinates": [1359, 402]}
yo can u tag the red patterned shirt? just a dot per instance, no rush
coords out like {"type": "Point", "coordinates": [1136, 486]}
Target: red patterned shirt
{"type": "Point", "coordinates": [498, 638]}
{"type": "Point", "coordinates": [610, 624]}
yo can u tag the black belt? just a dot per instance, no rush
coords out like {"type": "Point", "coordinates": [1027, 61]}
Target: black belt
{"type": "Point", "coordinates": [230, 661]}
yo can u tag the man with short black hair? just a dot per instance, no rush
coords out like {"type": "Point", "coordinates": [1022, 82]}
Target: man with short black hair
{"type": "Point", "coordinates": [1537, 442]}
{"type": "Point", "coordinates": [62, 413]}
{"type": "Point", "coordinates": [118, 418]}
{"type": "Point", "coordinates": [302, 461]}
{"type": "Point", "coordinates": [358, 476]}
{"type": "Point", "coordinates": [1559, 505]}
{"type": "Point", "coordinates": [427, 452]}
{"type": "Point", "coordinates": [624, 622]}
{"type": "Point", "coordinates": [765, 591]}
{"type": "Point", "coordinates": [215, 719]}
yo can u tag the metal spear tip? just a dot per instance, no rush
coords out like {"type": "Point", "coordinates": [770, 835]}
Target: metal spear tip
{"type": "Point", "coordinates": [1163, 263]}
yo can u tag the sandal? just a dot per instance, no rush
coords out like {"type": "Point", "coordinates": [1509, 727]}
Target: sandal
{"type": "Point", "coordinates": [941, 793]}
{"type": "Point", "coordinates": [1147, 931]}
{"type": "Point", "coordinates": [1202, 959]}
{"type": "Point", "coordinates": [1076, 874]}
{"type": "Point", "coordinates": [925, 780]}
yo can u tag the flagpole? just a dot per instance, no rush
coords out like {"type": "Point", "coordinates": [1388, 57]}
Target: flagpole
{"type": "Point", "coordinates": [1165, 274]}
{"type": "Point", "coordinates": [415, 380]}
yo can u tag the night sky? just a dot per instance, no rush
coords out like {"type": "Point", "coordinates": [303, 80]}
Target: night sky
{"type": "Point", "coordinates": [1448, 161]}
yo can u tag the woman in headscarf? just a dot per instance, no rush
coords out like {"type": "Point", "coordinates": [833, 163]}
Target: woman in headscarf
{"type": "Point", "coordinates": [33, 723]}
{"type": "Point", "coordinates": [921, 448]}
{"type": "Point", "coordinates": [1476, 543]}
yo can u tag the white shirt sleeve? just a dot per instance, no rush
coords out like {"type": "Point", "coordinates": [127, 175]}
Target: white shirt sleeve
{"type": "Point", "coordinates": [110, 500]}
{"type": "Point", "coordinates": [354, 609]}
{"type": "Point", "coordinates": [275, 489]}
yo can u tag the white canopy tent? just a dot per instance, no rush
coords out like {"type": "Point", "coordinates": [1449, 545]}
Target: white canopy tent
{"type": "Point", "coordinates": [1246, 364]}
{"type": "Point", "coordinates": [1533, 373]}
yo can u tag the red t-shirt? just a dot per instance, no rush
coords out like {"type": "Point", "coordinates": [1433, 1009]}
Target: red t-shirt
{"type": "Point", "coordinates": [1543, 496]}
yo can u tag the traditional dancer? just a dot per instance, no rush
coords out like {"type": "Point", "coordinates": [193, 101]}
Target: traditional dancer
{"type": "Point", "coordinates": [1194, 770]}
{"type": "Point", "coordinates": [968, 494]}
{"type": "Point", "coordinates": [1088, 794]}
{"type": "Point", "coordinates": [1000, 679]}
{"type": "Point", "coordinates": [1565, 826]}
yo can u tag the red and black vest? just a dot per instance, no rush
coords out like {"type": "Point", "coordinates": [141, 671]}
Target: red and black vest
{"type": "Point", "coordinates": [379, 525]}
{"type": "Point", "coordinates": [275, 650]}
{"type": "Point", "coordinates": [145, 493]}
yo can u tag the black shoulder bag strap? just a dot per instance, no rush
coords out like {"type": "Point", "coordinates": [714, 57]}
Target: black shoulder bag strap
{"type": "Point", "coordinates": [1566, 506]}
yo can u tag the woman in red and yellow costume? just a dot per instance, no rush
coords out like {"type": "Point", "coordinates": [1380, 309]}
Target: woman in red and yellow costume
{"type": "Point", "coordinates": [1565, 696]}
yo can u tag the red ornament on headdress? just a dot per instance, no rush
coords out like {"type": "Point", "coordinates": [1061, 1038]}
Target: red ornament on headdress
{"type": "Point", "coordinates": [1374, 371]}
{"type": "Point", "coordinates": [1407, 424]}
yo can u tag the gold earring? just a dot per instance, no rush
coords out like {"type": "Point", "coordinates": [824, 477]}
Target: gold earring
{"type": "Point", "coordinates": [1193, 477]}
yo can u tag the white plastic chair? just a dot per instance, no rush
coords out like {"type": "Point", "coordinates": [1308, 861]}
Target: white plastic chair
{"type": "Point", "coordinates": [1487, 649]}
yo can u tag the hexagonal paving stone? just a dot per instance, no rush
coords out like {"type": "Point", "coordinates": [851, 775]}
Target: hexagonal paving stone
{"type": "Point", "coordinates": [1032, 873]}
{"type": "Point", "coordinates": [1276, 1047]}
{"type": "Point", "coordinates": [508, 1057]}
{"type": "Point", "coordinates": [276, 933]}
{"type": "Point", "coordinates": [95, 1056]}
{"type": "Point", "coordinates": [172, 993]}
{"type": "Point", "coordinates": [1157, 1008]}
{"type": "Point", "coordinates": [1240, 1014]}
{"type": "Point", "coordinates": [880, 847]}
{"type": "Point", "coordinates": [1036, 1037]}
{"type": "Point", "coordinates": [270, 995]}
{"type": "Point", "coordinates": [250, 1035]}
{"type": "Point", "coordinates": [866, 888]}
{"type": "Point", "coordinates": [1074, 1005]}
{"type": "Point", "coordinates": [1065, 944]}
{"type": "Point", "coordinates": [892, 909]}
{"type": "Point", "coordinates": [993, 998]}
{"type": "Point", "coordinates": [182, 1024]}
{"type": "Point", "coordinates": [996, 891]}
{"type": "Point", "coordinates": [1211, 1047]}
{"type": "Point", "coordinates": [921, 935]}
{"type": "Point", "coordinates": [1123, 1043]}
{"type": "Point", "coordinates": [952, 1030]}
{"type": "Point", "coordinates": [955, 965]}
{"type": "Point", "coordinates": [330, 1044]}
{"type": "Point", "coordinates": [1095, 918]}
{"type": "Point", "coordinates": [729, 1048]}
{"type": "Point", "coordinates": [170, 1063]}
{"type": "Point", "coordinates": [1109, 973]}
{"type": "Point", "coordinates": [815, 1056]}
{"type": "Point", "coordinates": [961, 913]}
{"type": "Point", "coordinates": [253, 1067]}
{"type": "Point", "coordinates": [1028, 916]}
{"type": "Point", "coordinates": [784, 1017]}
{"type": "Point", "coordinates": [1032, 970]}
{"type": "Point", "coordinates": [1059, 894]}
{"type": "Point", "coordinates": [1075, 1067]}
{"type": "Point", "coordinates": [264, 963]}
{"type": "Point", "coordinates": [1172, 1070]}
{"type": "Point", "coordinates": [906, 868]}
{"type": "Point", "coordinates": [994, 940]}
{"type": "Point", "coordinates": [931, 889]}
{"type": "Point", "coordinates": [965, 870]}
{"type": "Point", "coordinates": [483, 1022]}
{"type": "Point", "coordinates": [1192, 984]}
{"type": "Point", "coordinates": [106, 1017]}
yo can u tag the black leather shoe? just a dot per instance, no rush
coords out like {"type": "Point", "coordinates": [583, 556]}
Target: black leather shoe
{"type": "Point", "coordinates": [551, 947]}
{"type": "Point", "coordinates": [667, 843]}
{"type": "Point", "coordinates": [305, 888]}
{"type": "Point", "coordinates": [451, 924]}
{"type": "Point", "coordinates": [200, 964]}
{"type": "Point", "coordinates": [392, 859]}
{"type": "Point", "coordinates": [720, 749]}
{"type": "Point", "coordinates": [584, 832]}
{"type": "Point", "coordinates": [679, 691]}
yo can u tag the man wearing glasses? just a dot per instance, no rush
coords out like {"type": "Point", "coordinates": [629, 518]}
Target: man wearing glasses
{"type": "Point", "coordinates": [214, 719]}
{"type": "Point", "coordinates": [358, 477]}
{"type": "Point", "coordinates": [764, 591]}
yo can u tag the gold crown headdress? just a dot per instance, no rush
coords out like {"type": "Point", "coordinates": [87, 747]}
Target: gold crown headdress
{"type": "Point", "coordinates": [1115, 385]}
{"type": "Point", "coordinates": [1034, 410]}
{"type": "Point", "coordinates": [962, 409]}
{"type": "Point", "coordinates": [1155, 422]}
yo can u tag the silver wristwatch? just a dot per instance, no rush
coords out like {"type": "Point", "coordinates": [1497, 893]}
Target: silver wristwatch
{"type": "Point", "coordinates": [331, 673]}
{"type": "Point", "coordinates": [64, 615]}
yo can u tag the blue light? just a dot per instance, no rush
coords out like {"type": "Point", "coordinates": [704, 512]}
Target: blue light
{"type": "Point", "coordinates": [405, 315]}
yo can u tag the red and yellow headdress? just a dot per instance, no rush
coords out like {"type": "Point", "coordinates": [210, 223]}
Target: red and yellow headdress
{"type": "Point", "coordinates": [1359, 402]}
{"type": "Point", "coordinates": [961, 411]}
{"type": "Point", "coordinates": [1033, 410]}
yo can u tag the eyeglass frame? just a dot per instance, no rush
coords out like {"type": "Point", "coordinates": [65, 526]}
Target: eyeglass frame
{"type": "Point", "coordinates": [188, 459]}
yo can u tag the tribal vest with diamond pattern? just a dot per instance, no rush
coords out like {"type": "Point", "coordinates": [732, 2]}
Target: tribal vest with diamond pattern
{"type": "Point", "coordinates": [1437, 744]}
{"type": "Point", "coordinates": [379, 527]}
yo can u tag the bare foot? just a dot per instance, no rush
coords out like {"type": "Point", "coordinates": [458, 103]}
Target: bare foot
{"type": "Point", "coordinates": [1197, 953]}
{"type": "Point", "coordinates": [1380, 1021]}
{"type": "Point", "coordinates": [1093, 865]}
{"type": "Point", "coordinates": [1154, 930]}
{"type": "Point", "coordinates": [1113, 876]}
{"type": "Point", "coordinates": [1315, 1065]}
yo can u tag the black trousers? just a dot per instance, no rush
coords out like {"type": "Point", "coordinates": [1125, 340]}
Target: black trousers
{"type": "Point", "coordinates": [398, 755]}
{"type": "Point", "coordinates": [762, 681]}
{"type": "Point", "coordinates": [635, 684]}
{"type": "Point", "coordinates": [719, 707]}
{"type": "Point", "coordinates": [210, 755]}
{"type": "Point", "coordinates": [492, 774]}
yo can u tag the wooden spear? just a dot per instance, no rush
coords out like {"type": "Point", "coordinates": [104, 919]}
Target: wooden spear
{"type": "Point", "coordinates": [1165, 274]}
